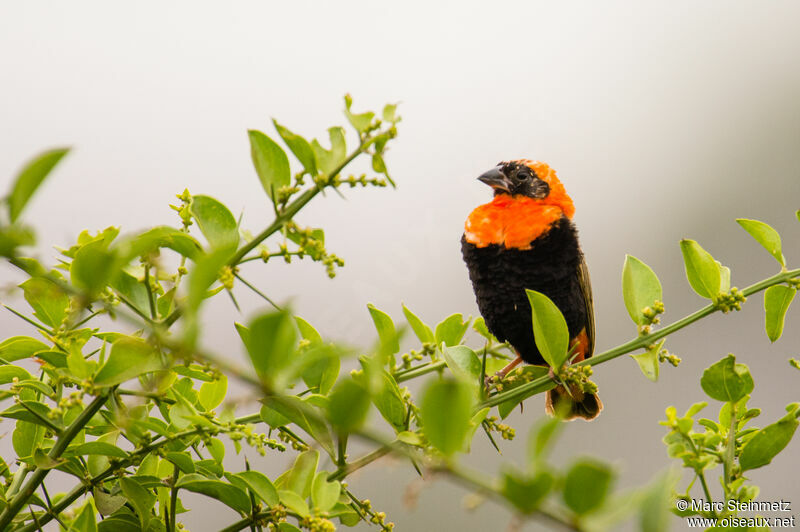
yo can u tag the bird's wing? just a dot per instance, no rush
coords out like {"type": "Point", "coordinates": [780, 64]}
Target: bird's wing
{"type": "Point", "coordinates": [586, 289]}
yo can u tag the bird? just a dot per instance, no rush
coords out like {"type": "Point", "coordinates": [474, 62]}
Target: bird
{"type": "Point", "coordinates": [524, 238]}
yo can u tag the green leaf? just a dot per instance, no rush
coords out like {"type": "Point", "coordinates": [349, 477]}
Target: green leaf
{"type": "Point", "coordinates": [225, 493]}
{"type": "Point", "coordinates": [386, 394]}
{"type": "Point", "coordinates": [527, 493]}
{"type": "Point", "coordinates": [463, 362]}
{"type": "Point", "coordinates": [39, 386]}
{"type": "Point", "coordinates": [294, 502]}
{"type": "Point", "coordinates": [302, 473]}
{"type": "Point", "coordinates": [32, 412]}
{"type": "Point", "coordinates": [451, 330]}
{"type": "Point", "coordinates": [19, 347]}
{"type": "Point", "coordinates": [294, 409]}
{"type": "Point", "coordinates": [181, 460]}
{"type": "Point", "coordinates": [656, 504]}
{"type": "Point", "coordinates": [701, 269]}
{"type": "Point", "coordinates": [270, 162]}
{"type": "Point", "coordinates": [44, 461]}
{"type": "Point", "coordinates": [27, 437]}
{"type": "Point", "coordinates": [307, 331]}
{"type": "Point", "coordinates": [542, 437]}
{"type": "Point", "coordinates": [106, 503]}
{"type": "Point", "coordinates": [587, 485]}
{"type": "Point", "coordinates": [479, 326]}
{"type": "Point", "coordinates": [30, 178]}
{"type": "Point", "coordinates": [134, 292]}
{"type": "Point", "coordinates": [48, 301]}
{"type": "Point", "coordinates": [300, 148]}
{"type": "Point", "coordinates": [216, 222]}
{"type": "Point", "coordinates": [93, 267]}
{"type": "Point", "coordinates": [474, 422]}
{"type": "Point", "coordinates": [319, 367]}
{"type": "Point", "coordinates": [211, 394]}
{"type": "Point", "coordinates": [766, 236]}
{"type": "Point", "coordinates": [349, 404]}
{"type": "Point", "coordinates": [129, 358]}
{"type": "Point", "coordinates": [158, 237]}
{"type": "Point", "coordinates": [329, 160]}
{"type": "Point", "coordinates": [797, 215]}
{"type": "Point", "coordinates": [726, 380]}
{"type": "Point", "coordinates": [96, 447]}
{"type": "Point", "coordinates": [776, 302]}
{"type": "Point", "coordinates": [359, 121]}
{"type": "Point", "coordinates": [260, 485]}
{"type": "Point", "coordinates": [271, 344]}
{"type": "Point", "coordinates": [724, 278]}
{"type": "Point", "coordinates": [141, 499]}
{"type": "Point", "coordinates": [9, 373]}
{"type": "Point", "coordinates": [389, 112]}
{"type": "Point", "coordinates": [446, 410]}
{"type": "Point", "coordinates": [324, 493]}
{"type": "Point", "coordinates": [549, 329]}
{"type": "Point", "coordinates": [386, 331]}
{"type": "Point", "coordinates": [648, 361]}
{"type": "Point", "coordinates": [767, 443]}
{"type": "Point", "coordinates": [421, 330]}
{"type": "Point", "coordinates": [640, 288]}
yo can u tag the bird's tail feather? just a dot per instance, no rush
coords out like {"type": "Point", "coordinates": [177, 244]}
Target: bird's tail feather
{"type": "Point", "coordinates": [573, 404]}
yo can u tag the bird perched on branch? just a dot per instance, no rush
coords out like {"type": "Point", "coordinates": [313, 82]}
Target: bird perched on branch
{"type": "Point", "coordinates": [525, 239]}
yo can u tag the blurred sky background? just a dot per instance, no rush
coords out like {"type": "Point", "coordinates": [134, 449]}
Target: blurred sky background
{"type": "Point", "coordinates": [664, 120]}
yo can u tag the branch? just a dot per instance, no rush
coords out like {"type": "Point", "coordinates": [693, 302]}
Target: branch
{"type": "Point", "coordinates": [69, 434]}
{"type": "Point", "coordinates": [545, 383]}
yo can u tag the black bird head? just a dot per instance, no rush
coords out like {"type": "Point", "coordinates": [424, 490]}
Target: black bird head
{"type": "Point", "coordinates": [515, 178]}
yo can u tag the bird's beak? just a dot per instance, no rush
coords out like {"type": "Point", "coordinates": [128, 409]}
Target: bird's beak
{"type": "Point", "coordinates": [496, 179]}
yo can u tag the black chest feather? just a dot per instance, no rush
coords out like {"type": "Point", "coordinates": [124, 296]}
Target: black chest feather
{"type": "Point", "coordinates": [500, 276]}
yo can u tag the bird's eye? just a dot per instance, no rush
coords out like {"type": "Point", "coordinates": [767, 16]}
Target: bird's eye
{"type": "Point", "coordinates": [522, 176]}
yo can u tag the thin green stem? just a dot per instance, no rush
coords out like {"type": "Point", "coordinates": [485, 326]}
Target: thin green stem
{"type": "Point", "coordinates": [39, 474]}
{"type": "Point", "coordinates": [173, 501]}
{"type": "Point", "coordinates": [150, 298]}
{"type": "Point", "coordinates": [257, 291]}
{"type": "Point", "coordinates": [420, 370]}
{"type": "Point", "coordinates": [348, 468]}
{"type": "Point", "coordinates": [730, 452]}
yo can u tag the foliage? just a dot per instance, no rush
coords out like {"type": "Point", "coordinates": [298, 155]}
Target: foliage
{"type": "Point", "coordinates": [139, 420]}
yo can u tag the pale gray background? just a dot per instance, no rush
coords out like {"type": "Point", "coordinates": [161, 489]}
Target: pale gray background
{"type": "Point", "coordinates": [664, 120]}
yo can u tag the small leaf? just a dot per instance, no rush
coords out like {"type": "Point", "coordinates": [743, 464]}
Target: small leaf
{"type": "Point", "coordinates": [656, 503]}
{"type": "Point", "coordinates": [271, 344]}
{"type": "Point", "coordinates": [767, 443]}
{"type": "Point", "coordinates": [766, 236]}
{"type": "Point", "coordinates": [270, 161]}
{"type": "Point", "coordinates": [421, 330]}
{"type": "Point", "coordinates": [293, 409]}
{"type": "Point", "coordinates": [29, 179]}
{"type": "Point", "coordinates": [301, 476]}
{"type": "Point", "coordinates": [48, 301]}
{"type": "Point", "coordinates": [541, 438]}
{"type": "Point", "coordinates": [386, 331]}
{"type": "Point", "coordinates": [479, 326]}
{"type": "Point", "coordinates": [226, 493]}
{"type": "Point", "coordinates": [307, 331]}
{"type": "Point", "coordinates": [329, 160]}
{"type": "Point", "coordinates": [648, 361]}
{"type": "Point", "coordinates": [549, 329]}
{"type": "Point", "coordinates": [260, 485]}
{"type": "Point", "coordinates": [359, 121]}
{"type": "Point", "coordinates": [587, 485]}
{"type": "Point", "coordinates": [463, 362]}
{"type": "Point", "coordinates": [97, 447]}
{"type": "Point", "coordinates": [300, 148]}
{"type": "Point", "coordinates": [640, 288]}
{"type": "Point", "coordinates": [776, 302]}
{"type": "Point", "coordinates": [141, 499]}
{"type": "Point", "coordinates": [451, 330]}
{"type": "Point", "coordinates": [446, 410]}
{"type": "Point", "coordinates": [181, 460]}
{"type": "Point", "coordinates": [93, 267]}
{"type": "Point", "coordinates": [389, 112]}
{"type": "Point", "coordinates": [701, 269]}
{"type": "Point", "coordinates": [294, 502]}
{"type": "Point", "coordinates": [349, 404]}
{"type": "Point", "coordinates": [527, 493]}
{"type": "Point", "coordinates": [211, 394]}
{"type": "Point", "coordinates": [216, 222]}
{"type": "Point", "coordinates": [129, 358]}
{"type": "Point", "coordinates": [324, 493]}
{"type": "Point", "coordinates": [9, 373]}
{"type": "Point", "coordinates": [19, 347]}
{"type": "Point", "coordinates": [43, 461]}
{"type": "Point", "coordinates": [85, 522]}
{"type": "Point", "coordinates": [106, 503]}
{"type": "Point", "coordinates": [726, 380]}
